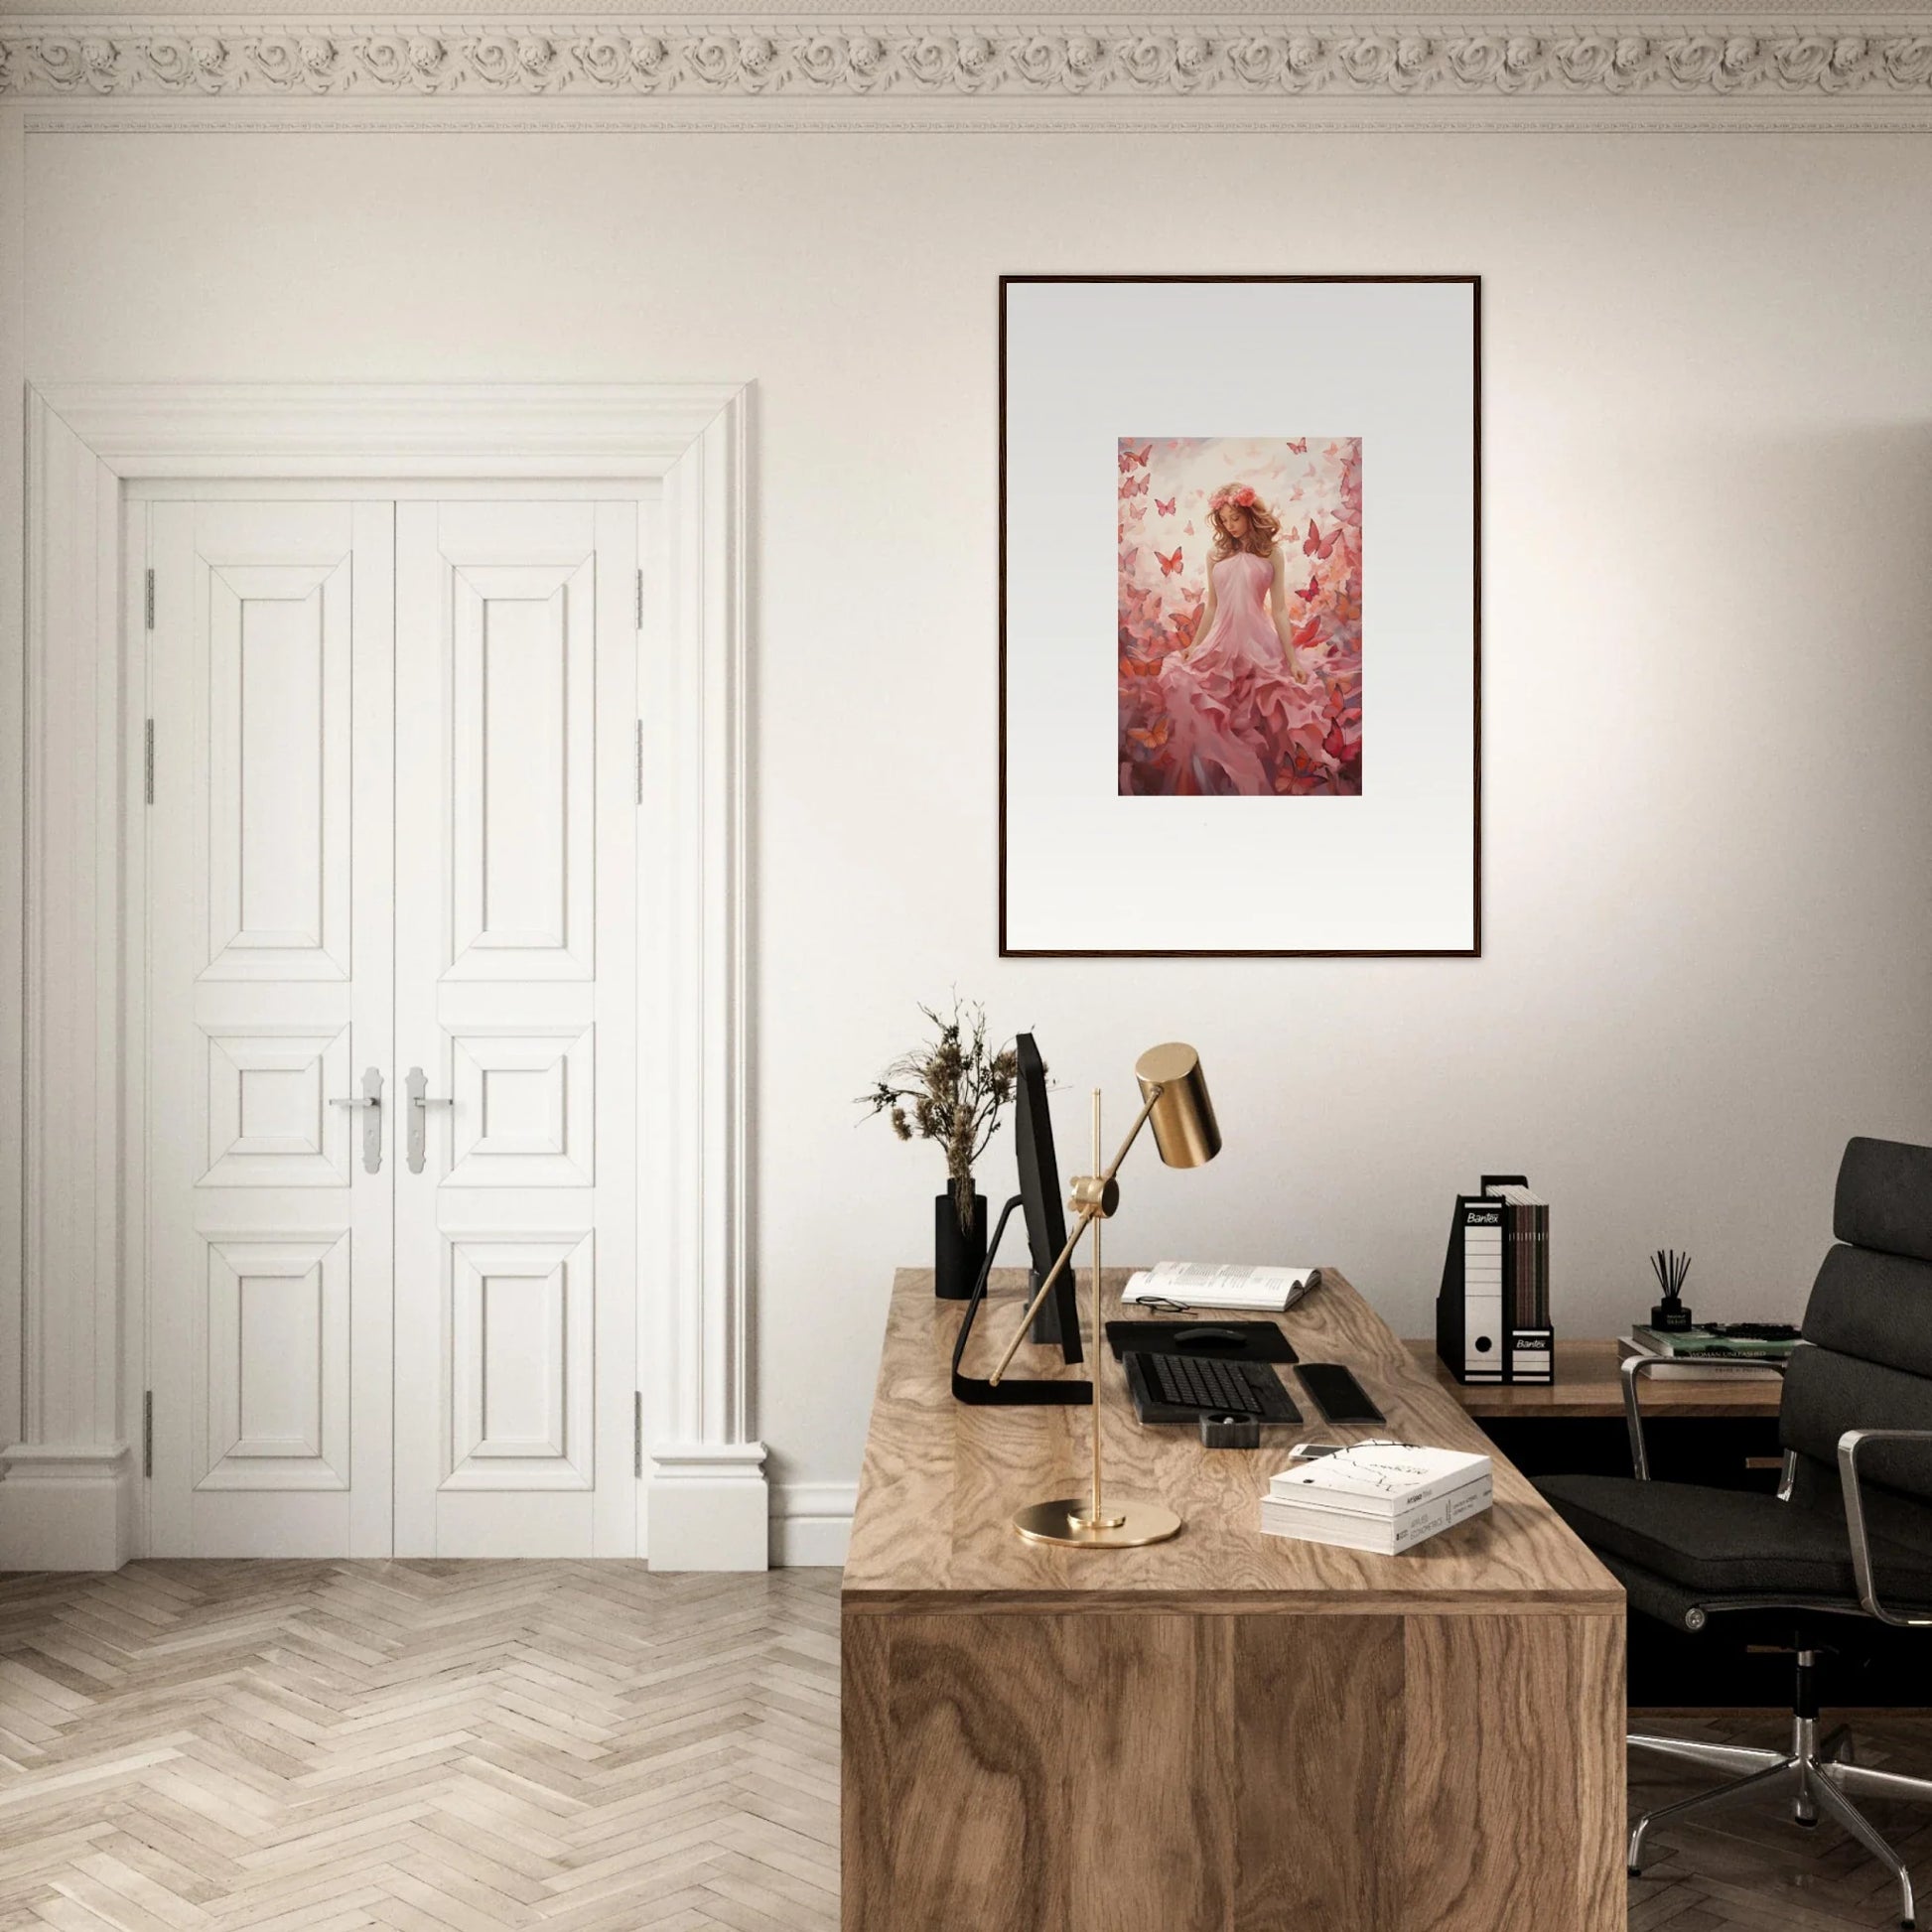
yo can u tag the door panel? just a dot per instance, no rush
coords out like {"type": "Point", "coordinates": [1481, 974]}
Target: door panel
{"type": "Point", "coordinates": [269, 994]}
{"type": "Point", "coordinates": [520, 802]}
{"type": "Point", "coordinates": [523, 1109]}
{"type": "Point", "coordinates": [515, 1242]}
{"type": "Point", "coordinates": [279, 750]}
{"type": "Point", "coordinates": [277, 1402]}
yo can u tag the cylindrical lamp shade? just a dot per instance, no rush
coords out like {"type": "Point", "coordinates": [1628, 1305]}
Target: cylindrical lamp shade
{"type": "Point", "coordinates": [1185, 1128]}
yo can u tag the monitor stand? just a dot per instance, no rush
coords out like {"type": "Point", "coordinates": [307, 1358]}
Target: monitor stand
{"type": "Point", "coordinates": [1047, 1323]}
{"type": "Point", "coordinates": [1011, 1391]}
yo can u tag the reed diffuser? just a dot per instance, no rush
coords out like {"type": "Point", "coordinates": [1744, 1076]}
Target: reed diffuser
{"type": "Point", "coordinates": [1670, 1268]}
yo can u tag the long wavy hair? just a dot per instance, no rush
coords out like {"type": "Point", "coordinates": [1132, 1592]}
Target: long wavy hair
{"type": "Point", "coordinates": [1264, 526]}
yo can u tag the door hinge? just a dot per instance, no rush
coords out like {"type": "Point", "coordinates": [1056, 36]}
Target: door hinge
{"type": "Point", "coordinates": [637, 1433]}
{"type": "Point", "coordinates": [149, 600]}
{"type": "Point", "coordinates": [640, 600]}
{"type": "Point", "coordinates": [147, 756]}
{"type": "Point", "coordinates": [147, 1434]}
{"type": "Point", "coordinates": [641, 761]}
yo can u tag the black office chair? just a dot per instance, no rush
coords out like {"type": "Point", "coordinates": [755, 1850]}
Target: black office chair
{"type": "Point", "coordinates": [1848, 1535]}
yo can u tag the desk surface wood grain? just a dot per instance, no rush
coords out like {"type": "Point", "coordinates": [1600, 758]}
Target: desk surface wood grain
{"type": "Point", "coordinates": [942, 1480]}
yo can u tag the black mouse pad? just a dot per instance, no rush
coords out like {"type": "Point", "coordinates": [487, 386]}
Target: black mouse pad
{"type": "Point", "coordinates": [1222, 1342]}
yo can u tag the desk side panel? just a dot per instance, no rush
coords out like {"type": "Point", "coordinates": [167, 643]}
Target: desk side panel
{"type": "Point", "coordinates": [865, 1769]}
{"type": "Point", "coordinates": [1317, 1822]}
{"type": "Point", "coordinates": [1095, 1773]}
{"type": "Point", "coordinates": [1513, 1774]}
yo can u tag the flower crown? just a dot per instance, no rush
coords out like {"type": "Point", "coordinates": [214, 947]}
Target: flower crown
{"type": "Point", "coordinates": [1241, 496]}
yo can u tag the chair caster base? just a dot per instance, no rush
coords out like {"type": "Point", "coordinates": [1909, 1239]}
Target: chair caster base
{"type": "Point", "coordinates": [1824, 1788]}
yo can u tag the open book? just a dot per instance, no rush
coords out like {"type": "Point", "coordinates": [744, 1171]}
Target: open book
{"type": "Point", "coordinates": [1208, 1285]}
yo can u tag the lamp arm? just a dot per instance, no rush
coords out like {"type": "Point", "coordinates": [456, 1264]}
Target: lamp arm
{"type": "Point", "coordinates": [1134, 1133]}
{"type": "Point", "coordinates": [1088, 1215]}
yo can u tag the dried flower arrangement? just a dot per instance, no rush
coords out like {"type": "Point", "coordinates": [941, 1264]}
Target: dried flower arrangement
{"type": "Point", "coordinates": [951, 1090]}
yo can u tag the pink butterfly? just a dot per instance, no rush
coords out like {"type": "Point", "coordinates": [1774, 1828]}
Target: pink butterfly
{"type": "Point", "coordinates": [1169, 565]}
{"type": "Point", "coordinates": [1318, 546]}
{"type": "Point", "coordinates": [1167, 508]}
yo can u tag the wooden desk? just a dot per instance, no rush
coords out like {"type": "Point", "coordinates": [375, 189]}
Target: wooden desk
{"type": "Point", "coordinates": [1589, 1387]}
{"type": "Point", "coordinates": [1227, 1730]}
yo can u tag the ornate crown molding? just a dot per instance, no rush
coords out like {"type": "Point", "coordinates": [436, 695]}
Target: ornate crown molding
{"type": "Point", "coordinates": [1818, 69]}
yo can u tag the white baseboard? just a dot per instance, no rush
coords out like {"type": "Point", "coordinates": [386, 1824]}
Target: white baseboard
{"type": "Point", "coordinates": [811, 1524]}
{"type": "Point", "coordinates": [67, 1506]}
{"type": "Point", "coordinates": [709, 1507]}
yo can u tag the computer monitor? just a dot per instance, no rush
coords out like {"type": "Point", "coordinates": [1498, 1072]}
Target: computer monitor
{"type": "Point", "coordinates": [1040, 1195]}
{"type": "Point", "coordinates": [1038, 1200]}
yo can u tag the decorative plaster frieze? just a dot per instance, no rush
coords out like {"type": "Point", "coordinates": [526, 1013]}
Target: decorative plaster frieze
{"type": "Point", "coordinates": [1177, 60]}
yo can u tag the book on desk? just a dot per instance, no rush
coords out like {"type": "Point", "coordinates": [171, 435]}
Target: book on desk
{"type": "Point", "coordinates": [1740, 1350]}
{"type": "Point", "coordinates": [1384, 1498]}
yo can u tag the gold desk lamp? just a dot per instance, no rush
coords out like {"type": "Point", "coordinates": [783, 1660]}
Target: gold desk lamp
{"type": "Point", "coordinates": [1175, 1100]}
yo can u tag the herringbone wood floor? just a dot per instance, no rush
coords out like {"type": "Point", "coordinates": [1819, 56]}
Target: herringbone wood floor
{"type": "Point", "coordinates": [461, 1747]}
{"type": "Point", "coordinates": [430, 1747]}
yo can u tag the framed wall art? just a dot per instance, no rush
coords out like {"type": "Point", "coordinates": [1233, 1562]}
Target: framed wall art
{"type": "Point", "coordinates": [1240, 527]}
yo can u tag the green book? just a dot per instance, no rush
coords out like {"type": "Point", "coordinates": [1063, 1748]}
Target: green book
{"type": "Point", "coordinates": [1701, 1341]}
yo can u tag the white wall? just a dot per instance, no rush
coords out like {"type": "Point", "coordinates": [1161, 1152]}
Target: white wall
{"type": "Point", "coordinates": [1708, 439]}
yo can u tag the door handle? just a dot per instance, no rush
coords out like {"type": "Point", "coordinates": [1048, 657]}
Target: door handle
{"type": "Point", "coordinates": [420, 1102]}
{"type": "Point", "coordinates": [370, 1099]}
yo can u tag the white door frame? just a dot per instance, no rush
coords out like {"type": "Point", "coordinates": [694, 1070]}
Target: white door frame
{"type": "Point", "coordinates": [70, 1484]}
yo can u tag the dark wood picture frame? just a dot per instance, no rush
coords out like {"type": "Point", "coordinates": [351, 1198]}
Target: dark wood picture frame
{"type": "Point", "coordinates": [1474, 949]}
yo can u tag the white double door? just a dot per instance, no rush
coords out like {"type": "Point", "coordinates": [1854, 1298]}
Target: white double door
{"type": "Point", "coordinates": [391, 861]}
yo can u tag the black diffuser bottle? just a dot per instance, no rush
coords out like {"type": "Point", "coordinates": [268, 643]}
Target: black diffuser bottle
{"type": "Point", "coordinates": [1669, 1316]}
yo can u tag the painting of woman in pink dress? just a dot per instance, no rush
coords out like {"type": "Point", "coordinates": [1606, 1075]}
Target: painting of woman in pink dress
{"type": "Point", "coordinates": [1240, 646]}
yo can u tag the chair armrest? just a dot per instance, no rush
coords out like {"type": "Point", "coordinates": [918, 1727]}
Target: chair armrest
{"type": "Point", "coordinates": [1849, 1445]}
{"type": "Point", "coordinates": [1634, 1367]}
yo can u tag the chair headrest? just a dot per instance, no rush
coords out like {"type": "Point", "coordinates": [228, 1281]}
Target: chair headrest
{"type": "Point", "coordinates": [1885, 1198]}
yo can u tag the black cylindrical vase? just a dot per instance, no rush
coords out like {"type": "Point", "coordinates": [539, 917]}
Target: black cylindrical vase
{"type": "Point", "coordinates": [957, 1254]}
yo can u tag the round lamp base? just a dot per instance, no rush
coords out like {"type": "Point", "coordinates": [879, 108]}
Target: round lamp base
{"type": "Point", "coordinates": [1064, 1521]}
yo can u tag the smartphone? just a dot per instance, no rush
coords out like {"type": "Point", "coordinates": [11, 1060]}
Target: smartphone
{"type": "Point", "coordinates": [1337, 1394]}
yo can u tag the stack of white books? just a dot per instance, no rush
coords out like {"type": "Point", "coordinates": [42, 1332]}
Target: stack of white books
{"type": "Point", "coordinates": [1210, 1284]}
{"type": "Point", "coordinates": [1381, 1496]}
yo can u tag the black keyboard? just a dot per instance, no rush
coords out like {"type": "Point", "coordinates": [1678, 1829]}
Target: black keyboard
{"type": "Point", "coordinates": [1206, 1387]}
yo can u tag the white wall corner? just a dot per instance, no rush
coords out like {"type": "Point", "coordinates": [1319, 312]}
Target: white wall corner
{"type": "Point", "coordinates": [709, 1507]}
{"type": "Point", "coordinates": [67, 1506]}
{"type": "Point", "coordinates": [811, 1524]}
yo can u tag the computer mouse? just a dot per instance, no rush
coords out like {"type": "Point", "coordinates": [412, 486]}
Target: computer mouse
{"type": "Point", "coordinates": [1208, 1338]}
